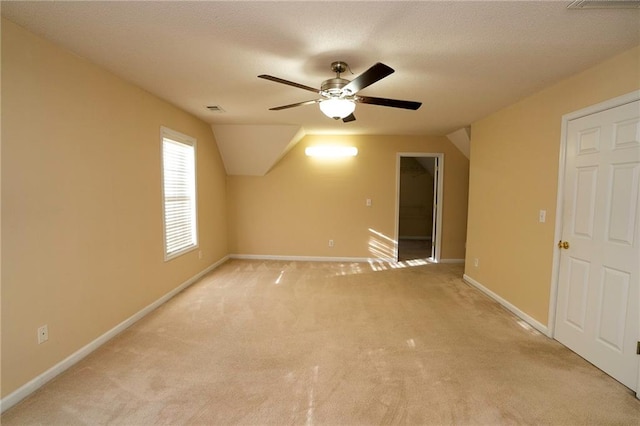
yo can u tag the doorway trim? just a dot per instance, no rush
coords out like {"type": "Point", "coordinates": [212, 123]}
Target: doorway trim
{"type": "Point", "coordinates": [555, 271]}
{"type": "Point", "coordinates": [439, 175]}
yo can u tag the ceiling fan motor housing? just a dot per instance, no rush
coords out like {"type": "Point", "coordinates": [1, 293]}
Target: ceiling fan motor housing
{"type": "Point", "coordinates": [333, 86]}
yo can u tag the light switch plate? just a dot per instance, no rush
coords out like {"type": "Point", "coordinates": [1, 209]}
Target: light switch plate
{"type": "Point", "coordinates": [542, 216]}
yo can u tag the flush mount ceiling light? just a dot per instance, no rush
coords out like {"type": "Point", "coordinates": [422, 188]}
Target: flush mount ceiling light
{"type": "Point", "coordinates": [337, 108]}
{"type": "Point", "coordinates": [331, 151]}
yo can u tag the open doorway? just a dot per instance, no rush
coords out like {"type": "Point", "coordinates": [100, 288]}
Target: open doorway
{"type": "Point", "coordinates": [418, 218]}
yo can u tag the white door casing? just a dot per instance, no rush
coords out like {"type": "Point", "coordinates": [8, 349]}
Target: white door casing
{"type": "Point", "coordinates": [597, 301]}
{"type": "Point", "coordinates": [436, 201]}
{"type": "Point", "coordinates": [438, 177]}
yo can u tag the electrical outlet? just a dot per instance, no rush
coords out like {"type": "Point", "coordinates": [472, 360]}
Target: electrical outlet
{"type": "Point", "coordinates": [476, 262]}
{"type": "Point", "coordinates": [368, 202]}
{"type": "Point", "coordinates": [331, 244]}
{"type": "Point", "coordinates": [200, 254]}
{"type": "Point", "coordinates": [43, 334]}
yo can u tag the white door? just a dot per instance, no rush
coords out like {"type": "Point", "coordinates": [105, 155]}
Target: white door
{"type": "Point", "coordinates": [436, 200]}
{"type": "Point", "coordinates": [598, 298]}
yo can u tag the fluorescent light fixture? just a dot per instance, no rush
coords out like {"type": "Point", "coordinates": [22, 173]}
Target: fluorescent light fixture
{"type": "Point", "coordinates": [331, 151]}
{"type": "Point", "coordinates": [337, 108]}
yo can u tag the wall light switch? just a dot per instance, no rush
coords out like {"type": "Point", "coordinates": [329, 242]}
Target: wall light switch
{"type": "Point", "coordinates": [542, 216]}
{"type": "Point", "coordinates": [368, 202]}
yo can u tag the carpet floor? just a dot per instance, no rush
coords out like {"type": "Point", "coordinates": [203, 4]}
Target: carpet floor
{"type": "Point", "coordinates": [292, 343]}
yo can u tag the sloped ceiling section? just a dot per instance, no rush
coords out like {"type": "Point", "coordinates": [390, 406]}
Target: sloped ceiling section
{"type": "Point", "coordinates": [252, 150]}
{"type": "Point", "coordinates": [461, 138]}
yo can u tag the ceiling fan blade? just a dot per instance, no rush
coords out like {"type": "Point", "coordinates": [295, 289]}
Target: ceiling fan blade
{"type": "Point", "coordinates": [367, 78]}
{"type": "Point", "coordinates": [394, 103]}
{"type": "Point", "coordinates": [315, 101]}
{"type": "Point", "coordinates": [289, 83]}
{"type": "Point", "coordinates": [349, 118]}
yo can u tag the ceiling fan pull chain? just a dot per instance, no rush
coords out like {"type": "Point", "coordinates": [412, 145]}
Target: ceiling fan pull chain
{"type": "Point", "coordinates": [349, 68]}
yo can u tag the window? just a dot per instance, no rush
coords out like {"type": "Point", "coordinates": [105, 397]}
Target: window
{"type": "Point", "coordinates": [179, 193]}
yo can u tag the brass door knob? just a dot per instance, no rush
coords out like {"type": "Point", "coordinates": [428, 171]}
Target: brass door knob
{"type": "Point", "coordinates": [563, 244]}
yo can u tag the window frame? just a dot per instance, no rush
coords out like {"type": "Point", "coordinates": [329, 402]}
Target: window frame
{"type": "Point", "coordinates": [177, 137]}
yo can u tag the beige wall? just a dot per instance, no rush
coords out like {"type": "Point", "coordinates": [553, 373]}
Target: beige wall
{"type": "Point", "coordinates": [82, 240]}
{"type": "Point", "coordinates": [514, 174]}
{"type": "Point", "coordinates": [303, 202]}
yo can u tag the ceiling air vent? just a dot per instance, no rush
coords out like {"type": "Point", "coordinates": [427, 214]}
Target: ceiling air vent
{"type": "Point", "coordinates": [604, 4]}
{"type": "Point", "coordinates": [215, 108]}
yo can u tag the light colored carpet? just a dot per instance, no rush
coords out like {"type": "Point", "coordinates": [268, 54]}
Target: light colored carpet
{"type": "Point", "coordinates": [292, 343]}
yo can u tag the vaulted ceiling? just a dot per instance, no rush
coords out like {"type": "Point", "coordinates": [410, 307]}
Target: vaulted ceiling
{"type": "Point", "coordinates": [462, 60]}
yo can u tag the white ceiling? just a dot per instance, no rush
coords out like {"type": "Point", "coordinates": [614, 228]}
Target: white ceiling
{"type": "Point", "coordinates": [463, 60]}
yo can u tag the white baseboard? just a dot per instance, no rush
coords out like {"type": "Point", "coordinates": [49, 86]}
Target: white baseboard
{"type": "Point", "coordinates": [33, 385]}
{"type": "Point", "coordinates": [526, 318]}
{"type": "Point", "coordinates": [305, 258]}
{"type": "Point", "coordinates": [324, 259]}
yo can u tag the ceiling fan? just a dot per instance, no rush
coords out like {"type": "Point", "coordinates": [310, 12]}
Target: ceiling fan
{"type": "Point", "coordinates": [338, 96]}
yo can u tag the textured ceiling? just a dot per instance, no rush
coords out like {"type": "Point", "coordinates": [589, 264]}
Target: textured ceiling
{"type": "Point", "coordinates": [463, 60]}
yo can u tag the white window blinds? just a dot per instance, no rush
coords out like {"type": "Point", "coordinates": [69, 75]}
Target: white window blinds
{"type": "Point", "coordinates": [179, 185]}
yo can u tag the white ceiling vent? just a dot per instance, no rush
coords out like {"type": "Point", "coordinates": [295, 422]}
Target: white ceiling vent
{"type": "Point", "coordinates": [215, 108]}
{"type": "Point", "coordinates": [604, 4]}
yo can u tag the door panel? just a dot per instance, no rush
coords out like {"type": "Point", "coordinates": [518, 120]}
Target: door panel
{"type": "Point", "coordinates": [598, 296]}
{"type": "Point", "coordinates": [614, 294]}
{"type": "Point", "coordinates": [623, 203]}
{"type": "Point", "coordinates": [578, 281]}
{"type": "Point", "coordinates": [585, 198]}
{"type": "Point", "coordinates": [626, 133]}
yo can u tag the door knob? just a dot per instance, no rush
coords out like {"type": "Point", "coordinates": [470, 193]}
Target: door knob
{"type": "Point", "coordinates": [563, 244]}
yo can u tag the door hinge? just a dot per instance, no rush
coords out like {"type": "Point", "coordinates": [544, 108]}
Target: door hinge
{"type": "Point", "coordinates": [638, 349]}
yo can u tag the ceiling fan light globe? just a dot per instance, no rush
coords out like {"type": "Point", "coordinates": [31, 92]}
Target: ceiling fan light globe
{"type": "Point", "coordinates": [337, 108]}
